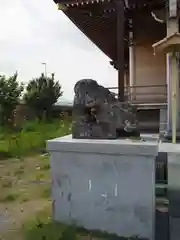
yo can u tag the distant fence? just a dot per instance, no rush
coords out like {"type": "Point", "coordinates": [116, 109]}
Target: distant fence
{"type": "Point", "coordinates": [148, 94]}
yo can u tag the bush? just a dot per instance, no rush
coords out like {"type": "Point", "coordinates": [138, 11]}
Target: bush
{"type": "Point", "coordinates": [31, 138]}
{"type": "Point", "coordinates": [10, 93]}
{"type": "Point", "coordinates": [41, 94]}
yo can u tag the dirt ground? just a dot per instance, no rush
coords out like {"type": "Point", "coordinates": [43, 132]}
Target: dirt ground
{"type": "Point", "coordinates": [13, 216]}
{"type": "Point", "coordinates": [24, 190]}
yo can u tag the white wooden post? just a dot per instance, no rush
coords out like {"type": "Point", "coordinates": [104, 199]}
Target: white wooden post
{"type": "Point", "coordinates": [173, 73]}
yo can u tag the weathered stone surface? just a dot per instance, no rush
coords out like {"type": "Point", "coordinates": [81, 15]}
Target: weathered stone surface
{"type": "Point", "coordinates": [105, 185]}
{"type": "Point", "coordinates": [98, 114]}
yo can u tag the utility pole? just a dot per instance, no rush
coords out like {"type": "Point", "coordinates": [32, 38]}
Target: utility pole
{"type": "Point", "coordinates": [45, 68]}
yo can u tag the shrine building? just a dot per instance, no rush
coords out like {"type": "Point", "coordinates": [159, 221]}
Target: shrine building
{"type": "Point", "coordinates": [141, 37]}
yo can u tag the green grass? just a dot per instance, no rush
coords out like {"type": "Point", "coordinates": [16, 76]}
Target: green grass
{"type": "Point", "coordinates": [29, 179]}
{"type": "Point", "coordinates": [6, 183]}
{"type": "Point", "coordinates": [31, 138]}
{"type": "Point", "coordinates": [50, 232]}
{"type": "Point", "coordinates": [46, 192]}
{"type": "Point", "coordinates": [42, 227]}
{"type": "Point", "coordinates": [11, 197]}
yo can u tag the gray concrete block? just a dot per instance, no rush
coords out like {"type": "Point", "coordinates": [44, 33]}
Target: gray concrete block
{"type": "Point", "coordinates": [161, 168]}
{"type": "Point", "coordinates": [162, 224]}
{"type": "Point", "coordinates": [174, 184]}
{"type": "Point", "coordinates": [173, 151]}
{"type": "Point", "coordinates": [113, 146]}
{"type": "Point", "coordinates": [174, 228]}
{"type": "Point", "coordinates": [106, 185]}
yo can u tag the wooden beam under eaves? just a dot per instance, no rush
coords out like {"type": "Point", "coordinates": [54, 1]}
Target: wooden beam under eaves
{"type": "Point", "coordinates": [172, 8]}
{"type": "Point", "coordinates": [120, 47]}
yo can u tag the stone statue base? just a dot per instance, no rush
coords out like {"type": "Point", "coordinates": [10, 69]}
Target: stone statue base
{"type": "Point", "coordinates": [95, 131]}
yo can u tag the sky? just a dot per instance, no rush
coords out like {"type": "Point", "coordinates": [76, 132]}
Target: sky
{"type": "Point", "coordinates": [34, 31]}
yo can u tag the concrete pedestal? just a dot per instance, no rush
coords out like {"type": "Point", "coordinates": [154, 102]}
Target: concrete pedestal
{"type": "Point", "coordinates": [173, 152]}
{"type": "Point", "coordinates": [106, 185]}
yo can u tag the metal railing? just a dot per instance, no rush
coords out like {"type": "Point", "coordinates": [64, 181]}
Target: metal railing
{"type": "Point", "coordinates": [149, 94]}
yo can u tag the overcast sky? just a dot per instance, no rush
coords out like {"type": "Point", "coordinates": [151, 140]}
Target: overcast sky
{"type": "Point", "coordinates": [34, 31]}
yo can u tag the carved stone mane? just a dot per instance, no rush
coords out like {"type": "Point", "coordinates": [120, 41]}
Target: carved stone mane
{"type": "Point", "coordinates": [98, 114]}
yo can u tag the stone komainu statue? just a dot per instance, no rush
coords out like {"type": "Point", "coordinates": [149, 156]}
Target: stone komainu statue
{"type": "Point", "coordinates": [97, 114]}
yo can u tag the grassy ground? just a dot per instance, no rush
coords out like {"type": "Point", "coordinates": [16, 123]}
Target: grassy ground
{"type": "Point", "coordinates": [25, 189]}
{"type": "Point", "coordinates": [31, 138]}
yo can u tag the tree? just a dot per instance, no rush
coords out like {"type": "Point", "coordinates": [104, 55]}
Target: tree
{"type": "Point", "coordinates": [10, 93]}
{"type": "Point", "coordinates": [41, 94]}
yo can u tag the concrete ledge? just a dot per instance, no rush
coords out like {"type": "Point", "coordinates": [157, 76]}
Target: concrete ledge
{"type": "Point", "coordinates": [169, 148]}
{"type": "Point", "coordinates": [174, 228]}
{"type": "Point", "coordinates": [117, 146]}
{"type": "Point", "coordinates": [106, 185]}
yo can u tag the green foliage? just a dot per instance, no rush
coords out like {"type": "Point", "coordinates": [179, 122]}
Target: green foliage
{"type": "Point", "coordinates": [41, 94]}
{"type": "Point", "coordinates": [41, 229]}
{"type": "Point", "coordinates": [11, 197]}
{"type": "Point", "coordinates": [47, 192]}
{"type": "Point", "coordinates": [10, 92]}
{"type": "Point", "coordinates": [32, 138]}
